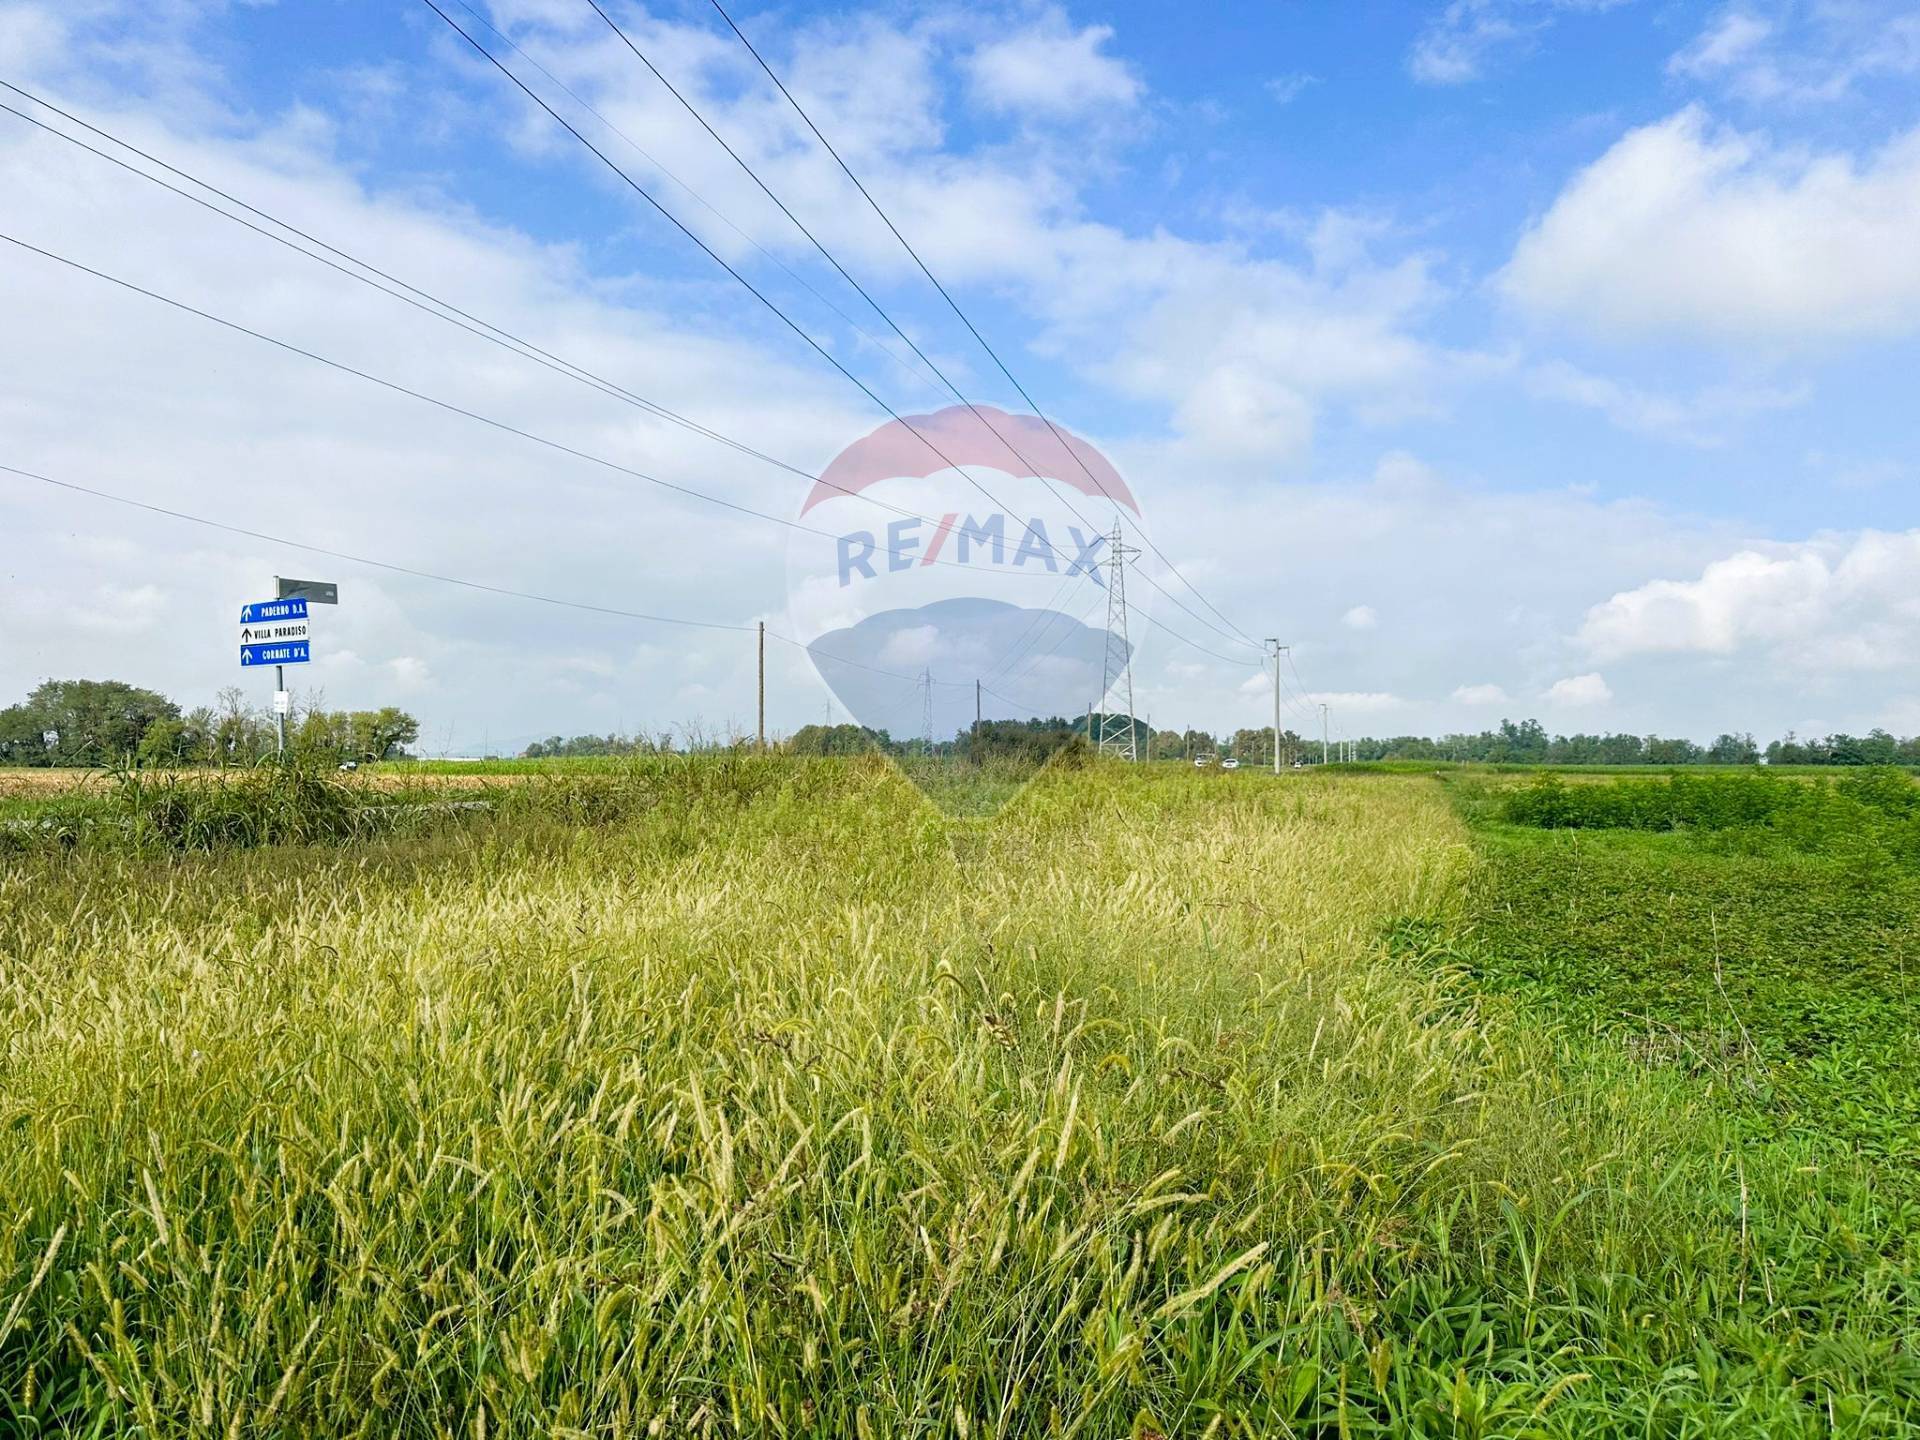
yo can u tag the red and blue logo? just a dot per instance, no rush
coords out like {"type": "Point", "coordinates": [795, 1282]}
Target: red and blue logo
{"type": "Point", "coordinates": [957, 557]}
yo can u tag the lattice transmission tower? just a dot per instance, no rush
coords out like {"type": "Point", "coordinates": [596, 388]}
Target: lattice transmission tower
{"type": "Point", "coordinates": [926, 708]}
{"type": "Point", "coordinates": [1118, 734]}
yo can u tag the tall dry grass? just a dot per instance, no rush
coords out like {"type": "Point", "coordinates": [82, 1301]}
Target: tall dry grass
{"type": "Point", "coordinates": [797, 1107]}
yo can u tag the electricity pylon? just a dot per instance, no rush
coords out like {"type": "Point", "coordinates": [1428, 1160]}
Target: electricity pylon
{"type": "Point", "coordinates": [926, 707]}
{"type": "Point", "coordinates": [1119, 666]}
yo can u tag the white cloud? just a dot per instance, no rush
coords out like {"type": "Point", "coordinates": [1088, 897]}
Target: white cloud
{"type": "Point", "coordinates": [1251, 351]}
{"type": "Point", "coordinates": [1457, 42]}
{"type": "Point", "coordinates": [1240, 350]}
{"type": "Point", "coordinates": [1214, 361]}
{"type": "Point", "coordinates": [1234, 412]}
{"type": "Point", "coordinates": [1856, 472]}
{"type": "Point", "coordinates": [410, 672]}
{"type": "Point", "coordinates": [1816, 56]}
{"type": "Point", "coordinates": [1054, 71]}
{"type": "Point", "coordinates": [1480, 695]}
{"type": "Point", "coordinates": [1285, 89]}
{"type": "Point", "coordinates": [1829, 604]}
{"type": "Point", "coordinates": [1575, 690]}
{"type": "Point", "coordinates": [1704, 419]}
{"type": "Point", "coordinates": [207, 422]}
{"type": "Point", "coordinates": [1727, 41]}
{"type": "Point", "coordinates": [29, 39]}
{"type": "Point", "coordinates": [1680, 229]}
{"type": "Point", "coordinates": [912, 646]}
{"type": "Point", "coordinates": [1360, 617]}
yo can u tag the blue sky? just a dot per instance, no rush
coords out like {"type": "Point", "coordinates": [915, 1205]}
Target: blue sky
{"type": "Point", "coordinates": [1507, 356]}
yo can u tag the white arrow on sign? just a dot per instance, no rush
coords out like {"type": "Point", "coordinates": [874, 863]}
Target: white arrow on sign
{"type": "Point", "coordinates": [275, 633]}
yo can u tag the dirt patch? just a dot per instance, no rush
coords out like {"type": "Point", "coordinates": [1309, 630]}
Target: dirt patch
{"type": "Point", "coordinates": [15, 783]}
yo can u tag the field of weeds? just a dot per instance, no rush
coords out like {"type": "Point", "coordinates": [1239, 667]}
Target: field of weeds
{"type": "Point", "coordinates": [762, 1097]}
{"type": "Point", "coordinates": [1761, 934]}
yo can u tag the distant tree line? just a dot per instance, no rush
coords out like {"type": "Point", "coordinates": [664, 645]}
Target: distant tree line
{"type": "Point", "coordinates": [1527, 742]}
{"type": "Point", "coordinates": [105, 722]}
{"type": "Point", "coordinates": [1033, 740]}
{"type": "Point", "coordinates": [556, 747]}
{"type": "Point", "coordinates": [1524, 742]}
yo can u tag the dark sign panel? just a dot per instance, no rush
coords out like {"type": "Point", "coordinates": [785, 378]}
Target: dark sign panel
{"type": "Point", "coordinates": [314, 592]}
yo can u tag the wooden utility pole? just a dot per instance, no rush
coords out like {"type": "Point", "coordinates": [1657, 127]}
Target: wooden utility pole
{"type": "Point", "coordinates": [976, 719]}
{"type": "Point", "coordinates": [760, 730]}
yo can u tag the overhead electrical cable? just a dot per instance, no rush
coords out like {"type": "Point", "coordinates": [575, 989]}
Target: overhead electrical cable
{"type": "Point", "coordinates": [1038, 624]}
{"type": "Point", "coordinates": [371, 563]}
{"type": "Point", "coordinates": [892, 324]}
{"type": "Point", "coordinates": [482, 329]}
{"type": "Point", "coordinates": [486, 330]}
{"type": "Point", "coordinates": [551, 361]}
{"type": "Point", "coordinates": [865, 389]}
{"type": "Point", "coordinates": [694, 194]}
{"type": "Point", "coordinates": [417, 573]}
{"type": "Point", "coordinates": [952, 304]}
{"type": "Point", "coordinates": [440, 404]}
{"type": "Point", "coordinates": [1306, 695]}
{"type": "Point", "coordinates": [721, 261]}
{"type": "Point", "coordinates": [479, 328]}
{"type": "Point", "coordinates": [487, 420]}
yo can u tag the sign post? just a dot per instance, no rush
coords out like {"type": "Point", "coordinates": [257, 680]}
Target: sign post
{"type": "Point", "coordinates": [276, 633]}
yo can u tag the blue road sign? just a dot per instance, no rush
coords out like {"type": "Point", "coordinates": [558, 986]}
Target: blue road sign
{"type": "Point", "coordinates": [265, 610]}
{"type": "Point", "coordinates": [291, 652]}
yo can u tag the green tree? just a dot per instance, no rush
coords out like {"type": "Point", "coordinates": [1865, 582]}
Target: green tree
{"type": "Point", "coordinates": [1733, 749]}
{"type": "Point", "coordinates": [382, 734]}
{"type": "Point", "coordinates": [1662, 751]}
{"type": "Point", "coordinates": [165, 743]}
{"type": "Point", "coordinates": [1196, 743]}
{"type": "Point", "coordinates": [1166, 745]}
{"type": "Point", "coordinates": [81, 722]}
{"type": "Point", "coordinates": [240, 734]}
{"type": "Point", "coordinates": [22, 741]}
{"type": "Point", "coordinates": [837, 740]}
{"type": "Point", "coordinates": [1253, 747]}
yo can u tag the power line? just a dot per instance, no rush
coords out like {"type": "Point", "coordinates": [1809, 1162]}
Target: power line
{"type": "Point", "coordinates": [706, 204]}
{"type": "Point", "coordinates": [387, 565]}
{"type": "Point", "coordinates": [506, 339]}
{"type": "Point", "coordinates": [717, 259]}
{"type": "Point", "coordinates": [953, 304]}
{"type": "Point", "coordinates": [954, 389]}
{"type": "Point", "coordinates": [1306, 695]}
{"type": "Point", "coordinates": [556, 362]}
{"type": "Point", "coordinates": [474, 415]}
{"type": "Point", "coordinates": [764, 188]}
{"type": "Point", "coordinates": [446, 405]}
{"type": "Point", "coordinates": [499, 336]}
{"type": "Point", "coordinates": [415, 572]}
{"type": "Point", "coordinates": [832, 260]}
{"type": "Point", "coordinates": [1035, 630]}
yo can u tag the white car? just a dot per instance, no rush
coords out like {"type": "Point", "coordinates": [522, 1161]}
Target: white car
{"type": "Point", "coordinates": [1229, 764]}
{"type": "Point", "coordinates": [1202, 760]}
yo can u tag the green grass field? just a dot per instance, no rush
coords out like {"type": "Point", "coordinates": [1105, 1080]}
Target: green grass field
{"type": "Point", "coordinates": [764, 1097]}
